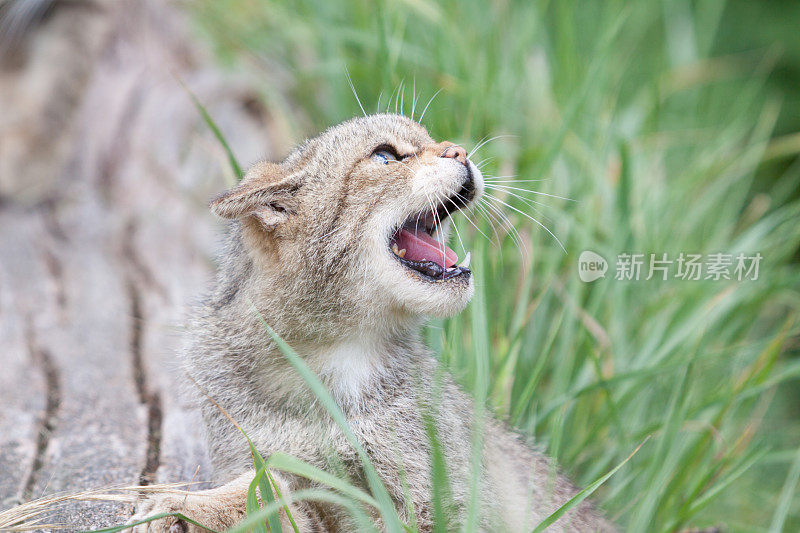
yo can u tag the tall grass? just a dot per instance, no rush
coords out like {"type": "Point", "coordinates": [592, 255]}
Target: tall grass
{"type": "Point", "coordinates": [620, 107]}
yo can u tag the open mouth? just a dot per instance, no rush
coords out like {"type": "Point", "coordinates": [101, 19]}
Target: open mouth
{"type": "Point", "coordinates": [415, 246]}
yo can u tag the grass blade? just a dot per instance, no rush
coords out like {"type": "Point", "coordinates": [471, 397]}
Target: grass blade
{"type": "Point", "coordinates": [252, 502]}
{"type": "Point", "coordinates": [582, 495]}
{"type": "Point", "coordinates": [480, 335]}
{"type": "Point", "coordinates": [263, 485]}
{"type": "Point", "coordinates": [307, 494]}
{"type": "Point", "coordinates": [289, 463]}
{"type": "Point", "coordinates": [788, 494]}
{"type": "Point", "coordinates": [234, 164]}
{"type": "Point", "coordinates": [385, 504]}
{"type": "Point", "coordinates": [127, 527]}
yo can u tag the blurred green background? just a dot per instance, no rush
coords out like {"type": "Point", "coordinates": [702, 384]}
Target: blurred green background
{"type": "Point", "coordinates": [671, 127]}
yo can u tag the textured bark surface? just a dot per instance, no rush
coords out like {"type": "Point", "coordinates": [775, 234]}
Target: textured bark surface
{"type": "Point", "coordinates": [105, 169]}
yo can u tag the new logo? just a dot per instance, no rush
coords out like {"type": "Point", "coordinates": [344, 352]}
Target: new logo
{"type": "Point", "coordinates": [591, 266]}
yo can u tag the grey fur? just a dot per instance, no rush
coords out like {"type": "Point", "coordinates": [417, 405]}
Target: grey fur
{"type": "Point", "coordinates": [306, 250]}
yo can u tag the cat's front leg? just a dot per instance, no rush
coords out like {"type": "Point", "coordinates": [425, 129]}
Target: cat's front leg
{"type": "Point", "coordinates": [217, 509]}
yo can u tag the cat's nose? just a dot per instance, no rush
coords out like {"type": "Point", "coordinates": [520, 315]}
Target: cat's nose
{"type": "Point", "coordinates": [456, 152]}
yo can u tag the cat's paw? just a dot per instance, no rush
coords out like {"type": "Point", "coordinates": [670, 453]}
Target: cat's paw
{"type": "Point", "coordinates": [197, 507]}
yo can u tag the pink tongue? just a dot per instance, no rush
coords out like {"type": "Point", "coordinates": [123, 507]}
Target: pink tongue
{"type": "Point", "coordinates": [420, 246]}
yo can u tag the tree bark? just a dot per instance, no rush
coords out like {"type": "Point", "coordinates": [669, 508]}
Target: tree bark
{"type": "Point", "coordinates": [105, 169]}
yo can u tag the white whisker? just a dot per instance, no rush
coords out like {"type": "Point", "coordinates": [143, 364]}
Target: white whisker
{"type": "Point", "coordinates": [530, 203]}
{"type": "Point", "coordinates": [480, 143]}
{"type": "Point", "coordinates": [507, 187]}
{"type": "Point", "coordinates": [529, 217]}
{"type": "Point", "coordinates": [429, 103]}
{"type": "Point", "coordinates": [525, 199]}
{"type": "Point", "coordinates": [400, 88]}
{"type": "Point", "coordinates": [506, 223]}
{"type": "Point", "coordinates": [458, 235]}
{"type": "Point", "coordinates": [485, 213]}
{"type": "Point", "coordinates": [389, 102]}
{"type": "Point", "coordinates": [414, 97]}
{"type": "Point", "coordinates": [484, 161]}
{"type": "Point", "coordinates": [460, 210]}
{"type": "Point", "coordinates": [498, 179]}
{"type": "Point", "coordinates": [437, 224]}
{"type": "Point", "coordinates": [472, 152]}
{"type": "Point", "coordinates": [353, 88]}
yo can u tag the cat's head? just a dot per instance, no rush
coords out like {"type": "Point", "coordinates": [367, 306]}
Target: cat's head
{"type": "Point", "coordinates": [358, 217]}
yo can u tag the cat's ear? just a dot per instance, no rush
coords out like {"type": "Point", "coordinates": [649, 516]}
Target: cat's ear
{"type": "Point", "coordinates": [266, 192]}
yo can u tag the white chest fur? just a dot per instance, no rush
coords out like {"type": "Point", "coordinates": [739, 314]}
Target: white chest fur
{"type": "Point", "coordinates": [350, 368]}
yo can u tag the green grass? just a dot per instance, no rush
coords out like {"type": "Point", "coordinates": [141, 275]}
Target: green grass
{"type": "Point", "coordinates": [621, 107]}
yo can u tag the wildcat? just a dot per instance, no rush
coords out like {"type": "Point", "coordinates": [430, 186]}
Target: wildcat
{"type": "Point", "coordinates": [340, 249]}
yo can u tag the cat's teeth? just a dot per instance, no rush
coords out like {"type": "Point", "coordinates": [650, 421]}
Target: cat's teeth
{"type": "Point", "coordinates": [465, 262]}
{"type": "Point", "coordinates": [402, 253]}
{"type": "Point", "coordinates": [397, 252]}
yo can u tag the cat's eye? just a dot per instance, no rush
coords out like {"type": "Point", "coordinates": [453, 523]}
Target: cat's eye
{"type": "Point", "coordinates": [384, 154]}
